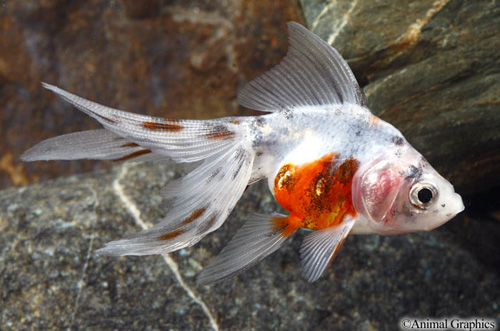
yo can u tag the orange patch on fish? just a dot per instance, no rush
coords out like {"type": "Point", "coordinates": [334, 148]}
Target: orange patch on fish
{"type": "Point", "coordinates": [170, 126]}
{"type": "Point", "coordinates": [317, 193]}
{"type": "Point", "coordinates": [285, 176]}
{"type": "Point", "coordinates": [374, 120]}
{"type": "Point", "coordinates": [170, 235]}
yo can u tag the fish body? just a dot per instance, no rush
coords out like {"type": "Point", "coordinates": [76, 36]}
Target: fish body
{"type": "Point", "coordinates": [331, 164]}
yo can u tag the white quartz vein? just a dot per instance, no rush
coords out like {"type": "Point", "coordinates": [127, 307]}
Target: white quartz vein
{"type": "Point", "coordinates": [323, 13]}
{"type": "Point", "coordinates": [342, 23]}
{"type": "Point", "coordinates": [414, 30]}
{"type": "Point", "coordinates": [136, 214]}
{"type": "Point", "coordinates": [81, 283]}
{"type": "Point", "coordinates": [408, 38]}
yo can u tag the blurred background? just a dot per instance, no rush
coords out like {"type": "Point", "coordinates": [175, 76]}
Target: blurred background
{"type": "Point", "coordinates": [168, 58]}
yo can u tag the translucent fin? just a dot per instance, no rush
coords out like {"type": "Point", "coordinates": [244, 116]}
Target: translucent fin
{"type": "Point", "coordinates": [319, 248]}
{"type": "Point", "coordinates": [201, 202]}
{"type": "Point", "coordinates": [312, 74]}
{"type": "Point", "coordinates": [178, 140]}
{"type": "Point", "coordinates": [93, 144]}
{"type": "Point", "coordinates": [259, 237]}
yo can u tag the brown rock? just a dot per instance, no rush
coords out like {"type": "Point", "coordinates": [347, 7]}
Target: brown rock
{"type": "Point", "coordinates": [179, 59]}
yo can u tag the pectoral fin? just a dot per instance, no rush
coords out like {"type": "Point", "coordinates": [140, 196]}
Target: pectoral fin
{"type": "Point", "coordinates": [319, 248]}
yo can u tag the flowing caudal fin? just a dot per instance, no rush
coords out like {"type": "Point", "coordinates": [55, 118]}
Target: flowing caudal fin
{"type": "Point", "coordinates": [319, 248]}
{"type": "Point", "coordinates": [259, 237]}
{"type": "Point", "coordinates": [176, 140]}
{"type": "Point", "coordinates": [312, 74]}
{"type": "Point", "coordinates": [200, 201]}
{"type": "Point", "coordinates": [94, 144]}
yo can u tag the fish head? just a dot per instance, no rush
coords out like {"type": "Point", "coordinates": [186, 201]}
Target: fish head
{"type": "Point", "coordinates": [402, 194]}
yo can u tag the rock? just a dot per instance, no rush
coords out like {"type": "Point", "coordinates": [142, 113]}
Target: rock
{"type": "Point", "coordinates": [430, 68]}
{"type": "Point", "coordinates": [180, 59]}
{"type": "Point", "coordinates": [51, 279]}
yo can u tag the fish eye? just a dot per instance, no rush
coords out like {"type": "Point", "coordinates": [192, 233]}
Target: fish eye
{"type": "Point", "coordinates": [423, 195]}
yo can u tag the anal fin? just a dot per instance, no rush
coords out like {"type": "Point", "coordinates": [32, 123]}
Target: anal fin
{"type": "Point", "coordinates": [319, 248]}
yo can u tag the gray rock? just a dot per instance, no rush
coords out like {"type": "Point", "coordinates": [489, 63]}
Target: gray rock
{"type": "Point", "coordinates": [432, 69]}
{"type": "Point", "coordinates": [50, 277]}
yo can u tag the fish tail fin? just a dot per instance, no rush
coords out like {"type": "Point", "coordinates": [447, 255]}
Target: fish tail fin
{"type": "Point", "coordinates": [93, 144]}
{"type": "Point", "coordinates": [200, 201]}
{"type": "Point", "coordinates": [129, 136]}
{"type": "Point", "coordinates": [260, 236]}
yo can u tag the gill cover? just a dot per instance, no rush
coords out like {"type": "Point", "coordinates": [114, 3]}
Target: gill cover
{"type": "Point", "coordinates": [376, 189]}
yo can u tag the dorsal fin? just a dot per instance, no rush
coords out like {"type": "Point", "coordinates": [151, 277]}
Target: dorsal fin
{"type": "Point", "coordinates": [312, 74]}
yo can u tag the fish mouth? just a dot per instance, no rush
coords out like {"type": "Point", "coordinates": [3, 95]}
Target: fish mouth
{"type": "Point", "coordinates": [456, 208]}
{"type": "Point", "coordinates": [460, 207]}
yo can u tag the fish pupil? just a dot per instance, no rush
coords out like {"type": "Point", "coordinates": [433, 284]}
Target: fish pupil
{"type": "Point", "coordinates": [425, 195]}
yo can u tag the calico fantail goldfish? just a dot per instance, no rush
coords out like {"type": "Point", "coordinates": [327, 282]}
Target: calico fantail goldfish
{"type": "Point", "coordinates": [332, 165]}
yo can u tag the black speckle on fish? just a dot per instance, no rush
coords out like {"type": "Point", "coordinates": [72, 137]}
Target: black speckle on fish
{"type": "Point", "coordinates": [259, 122]}
{"type": "Point", "coordinates": [414, 173]}
{"type": "Point", "coordinates": [214, 174]}
{"type": "Point", "coordinates": [397, 140]}
{"type": "Point", "coordinates": [288, 114]}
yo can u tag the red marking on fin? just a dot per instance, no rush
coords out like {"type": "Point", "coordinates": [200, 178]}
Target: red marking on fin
{"type": "Point", "coordinates": [286, 225]}
{"type": "Point", "coordinates": [133, 155]}
{"type": "Point", "coordinates": [170, 235]}
{"type": "Point", "coordinates": [104, 118]}
{"type": "Point", "coordinates": [220, 132]}
{"type": "Point", "coordinates": [170, 126]}
{"type": "Point", "coordinates": [130, 145]}
{"type": "Point", "coordinates": [208, 224]}
{"type": "Point", "coordinates": [336, 251]}
{"type": "Point", "coordinates": [194, 215]}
